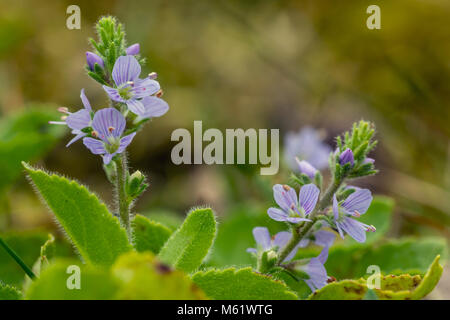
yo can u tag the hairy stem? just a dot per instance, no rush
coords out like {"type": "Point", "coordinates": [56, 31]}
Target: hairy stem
{"type": "Point", "coordinates": [19, 261]}
{"type": "Point", "coordinates": [122, 197]}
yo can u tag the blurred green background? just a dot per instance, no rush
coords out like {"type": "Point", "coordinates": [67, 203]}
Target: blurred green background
{"type": "Point", "coordinates": [244, 64]}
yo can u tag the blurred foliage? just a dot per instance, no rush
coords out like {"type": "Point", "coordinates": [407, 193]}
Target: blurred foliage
{"type": "Point", "coordinates": [25, 136]}
{"type": "Point", "coordinates": [27, 244]}
{"type": "Point", "coordinates": [134, 276]}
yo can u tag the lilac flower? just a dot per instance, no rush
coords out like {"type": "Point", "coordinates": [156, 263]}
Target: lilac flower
{"type": "Point", "coordinates": [356, 204]}
{"type": "Point", "coordinates": [132, 90]}
{"type": "Point", "coordinates": [293, 209]}
{"type": "Point", "coordinates": [266, 242]}
{"type": "Point", "coordinates": [368, 160]}
{"type": "Point", "coordinates": [315, 268]}
{"type": "Point", "coordinates": [92, 59]}
{"type": "Point", "coordinates": [108, 125]}
{"type": "Point", "coordinates": [306, 168]}
{"type": "Point", "coordinates": [346, 157]}
{"type": "Point", "coordinates": [77, 120]}
{"type": "Point", "coordinates": [316, 271]}
{"type": "Point", "coordinates": [133, 49]}
{"type": "Point", "coordinates": [306, 145]}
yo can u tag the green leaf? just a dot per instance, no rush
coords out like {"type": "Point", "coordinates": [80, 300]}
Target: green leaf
{"type": "Point", "coordinates": [25, 136]}
{"type": "Point", "coordinates": [189, 245]}
{"type": "Point", "coordinates": [241, 284]}
{"type": "Point", "coordinates": [407, 255]}
{"type": "Point", "coordinates": [95, 283]}
{"type": "Point", "coordinates": [149, 235]}
{"type": "Point", "coordinates": [170, 219]}
{"type": "Point", "coordinates": [141, 276]}
{"type": "Point", "coordinates": [393, 287]}
{"type": "Point", "coordinates": [430, 280]}
{"type": "Point", "coordinates": [9, 293]}
{"type": "Point", "coordinates": [96, 234]}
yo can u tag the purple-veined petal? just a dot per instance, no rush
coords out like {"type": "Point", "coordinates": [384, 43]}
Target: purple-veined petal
{"type": "Point", "coordinates": [262, 237]}
{"type": "Point", "coordinates": [126, 68]}
{"type": "Point", "coordinates": [108, 122]}
{"type": "Point", "coordinates": [125, 141]}
{"type": "Point", "coordinates": [323, 256]}
{"type": "Point", "coordinates": [317, 274]}
{"type": "Point", "coordinates": [277, 214]}
{"type": "Point", "coordinates": [85, 101]}
{"type": "Point", "coordinates": [136, 106]}
{"type": "Point", "coordinates": [285, 197]}
{"type": "Point", "coordinates": [324, 238]}
{"type": "Point", "coordinates": [308, 196]}
{"type": "Point", "coordinates": [306, 168]}
{"type": "Point", "coordinates": [79, 120]}
{"type": "Point", "coordinates": [145, 87]}
{"type": "Point", "coordinates": [359, 201]}
{"type": "Point", "coordinates": [94, 145]}
{"type": "Point", "coordinates": [296, 219]}
{"type": "Point", "coordinates": [335, 208]}
{"type": "Point", "coordinates": [113, 94]}
{"type": "Point", "coordinates": [355, 229]}
{"type": "Point", "coordinates": [133, 49]}
{"type": "Point", "coordinates": [78, 136]}
{"type": "Point", "coordinates": [154, 107]}
{"type": "Point", "coordinates": [281, 239]}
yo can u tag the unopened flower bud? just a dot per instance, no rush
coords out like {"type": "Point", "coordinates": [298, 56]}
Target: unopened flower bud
{"type": "Point", "coordinates": [136, 184]}
{"type": "Point", "coordinates": [92, 59]}
{"type": "Point", "coordinates": [133, 49]}
{"type": "Point", "coordinates": [347, 157]}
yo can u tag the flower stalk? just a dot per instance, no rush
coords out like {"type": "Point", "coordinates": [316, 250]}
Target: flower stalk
{"type": "Point", "coordinates": [19, 261]}
{"type": "Point", "coordinates": [122, 197]}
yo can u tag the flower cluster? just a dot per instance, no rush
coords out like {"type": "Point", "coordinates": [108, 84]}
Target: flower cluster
{"type": "Point", "coordinates": [316, 215]}
{"type": "Point", "coordinates": [104, 131]}
{"type": "Point", "coordinates": [134, 99]}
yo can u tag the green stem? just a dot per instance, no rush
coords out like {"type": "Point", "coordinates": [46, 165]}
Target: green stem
{"type": "Point", "coordinates": [300, 232]}
{"type": "Point", "coordinates": [122, 197]}
{"type": "Point", "coordinates": [14, 255]}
